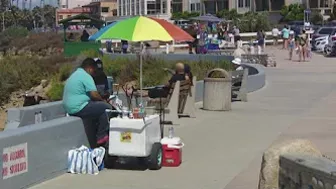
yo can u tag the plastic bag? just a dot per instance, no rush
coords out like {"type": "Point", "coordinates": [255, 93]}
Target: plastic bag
{"type": "Point", "coordinates": [85, 161]}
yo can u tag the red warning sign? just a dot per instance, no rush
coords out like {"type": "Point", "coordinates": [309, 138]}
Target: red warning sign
{"type": "Point", "coordinates": [14, 160]}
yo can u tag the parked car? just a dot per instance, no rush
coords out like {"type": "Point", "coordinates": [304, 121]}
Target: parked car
{"type": "Point", "coordinates": [330, 48]}
{"type": "Point", "coordinates": [332, 37]}
{"type": "Point", "coordinates": [321, 32]}
{"type": "Point", "coordinates": [320, 43]}
{"type": "Point", "coordinates": [301, 24]}
{"type": "Point", "coordinates": [182, 23]}
{"type": "Point", "coordinates": [331, 23]}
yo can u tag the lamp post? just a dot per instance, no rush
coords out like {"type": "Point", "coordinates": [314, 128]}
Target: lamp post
{"type": "Point", "coordinates": [3, 21]}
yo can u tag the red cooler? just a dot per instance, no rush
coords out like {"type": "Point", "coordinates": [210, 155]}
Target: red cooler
{"type": "Point", "coordinates": [172, 151]}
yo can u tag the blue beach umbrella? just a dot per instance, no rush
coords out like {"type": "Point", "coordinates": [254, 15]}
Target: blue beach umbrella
{"type": "Point", "coordinates": [96, 35]}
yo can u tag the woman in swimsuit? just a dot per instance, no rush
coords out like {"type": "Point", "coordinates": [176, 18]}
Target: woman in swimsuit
{"type": "Point", "coordinates": [303, 46]}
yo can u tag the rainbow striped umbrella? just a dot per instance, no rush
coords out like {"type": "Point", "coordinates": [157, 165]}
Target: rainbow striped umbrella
{"type": "Point", "coordinates": [101, 31]}
{"type": "Point", "coordinates": [140, 28]}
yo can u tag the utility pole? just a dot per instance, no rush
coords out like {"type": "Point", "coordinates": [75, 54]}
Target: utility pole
{"type": "Point", "coordinates": [24, 4]}
{"type": "Point", "coordinates": [4, 9]}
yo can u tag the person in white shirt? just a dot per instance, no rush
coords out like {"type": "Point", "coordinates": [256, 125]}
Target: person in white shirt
{"type": "Point", "coordinates": [237, 64]}
{"type": "Point", "coordinates": [275, 34]}
{"type": "Point", "coordinates": [291, 32]}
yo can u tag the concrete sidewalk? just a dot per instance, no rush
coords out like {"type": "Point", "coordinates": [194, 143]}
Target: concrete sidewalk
{"type": "Point", "coordinates": [316, 122]}
{"type": "Point", "coordinates": [223, 149]}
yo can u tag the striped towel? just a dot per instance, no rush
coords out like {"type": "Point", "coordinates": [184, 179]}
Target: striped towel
{"type": "Point", "coordinates": [85, 161]}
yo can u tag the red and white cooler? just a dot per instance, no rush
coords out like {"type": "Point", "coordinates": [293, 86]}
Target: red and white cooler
{"type": "Point", "coordinates": [172, 151]}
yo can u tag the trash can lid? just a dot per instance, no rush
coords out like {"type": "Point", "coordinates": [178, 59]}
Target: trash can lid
{"type": "Point", "coordinates": [171, 141]}
{"type": "Point", "coordinates": [223, 72]}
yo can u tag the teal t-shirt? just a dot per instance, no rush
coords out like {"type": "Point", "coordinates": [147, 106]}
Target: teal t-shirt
{"type": "Point", "coordinates": [285, 33]}
{"type": "Point", "coordinates": [76, 91]}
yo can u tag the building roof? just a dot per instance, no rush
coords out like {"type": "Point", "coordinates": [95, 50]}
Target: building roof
{"type": "Point", "coordinates": [116, 18]}
{"type": "Point", "coordinates": [92, 4]}
{"type": "Point", "coordinates": [74, 10]}
{"type": "Point", "coordinates": [82, 19]}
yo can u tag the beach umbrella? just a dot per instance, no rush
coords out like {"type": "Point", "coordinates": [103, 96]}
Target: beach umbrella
{"type": "Point", "coordinates": [142, 29]}
{"type": "Point", "coordinates": [207, 18]}
{"type": "Point", "coordinates": [101, 31]}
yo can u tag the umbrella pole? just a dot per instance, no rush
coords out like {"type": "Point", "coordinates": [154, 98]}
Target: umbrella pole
{"type": "Point", "coordinates": [141, 49]}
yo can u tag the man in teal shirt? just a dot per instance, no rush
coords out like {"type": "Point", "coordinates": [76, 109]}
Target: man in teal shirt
{"type": "Point", "coordinates": [81, 99]}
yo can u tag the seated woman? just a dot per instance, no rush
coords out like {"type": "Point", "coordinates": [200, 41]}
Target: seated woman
{"type": "Point", "coordinates": [100, 80]}
{"type": "Point", "coordinates": [85, 36]}
{"type": "Point", "coordinates": [71, 37]}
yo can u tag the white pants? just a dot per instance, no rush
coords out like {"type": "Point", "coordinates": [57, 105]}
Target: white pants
{"type": "Point", "coordinates": [260, 49]}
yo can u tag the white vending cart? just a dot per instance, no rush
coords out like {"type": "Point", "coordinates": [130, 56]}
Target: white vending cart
{"type": "Point", "coordinates": [136, 138]}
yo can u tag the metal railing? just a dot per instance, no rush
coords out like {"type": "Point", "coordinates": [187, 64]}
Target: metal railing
{"type": "Point", "coordinates": [250, 35]}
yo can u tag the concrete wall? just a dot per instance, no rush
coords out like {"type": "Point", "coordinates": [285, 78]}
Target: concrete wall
{"type": "Point", "coordinates": [297, 171]}
{"type": "Point", "coordinates": [18, 117]}
{"type": "Point", "coordinates": [47, 146]}
{"type": "Point", "coordinates": [256, 78]}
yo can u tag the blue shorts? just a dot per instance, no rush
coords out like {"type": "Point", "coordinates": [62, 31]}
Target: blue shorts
{"type": "Point", "coordinates": [261, 42]}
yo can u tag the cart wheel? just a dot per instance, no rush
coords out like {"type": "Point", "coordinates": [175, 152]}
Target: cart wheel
{"type": "Point", "coordinates": [155, 158]}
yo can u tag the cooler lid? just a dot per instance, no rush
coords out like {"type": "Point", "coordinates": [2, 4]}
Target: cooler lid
{"type": "Point", "coordinates": [171, 141]}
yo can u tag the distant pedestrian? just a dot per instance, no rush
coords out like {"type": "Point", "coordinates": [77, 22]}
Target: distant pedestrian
{"type": "Point", "coordinates": [236, 33]}
{"type": "Point", "coordinates": [303, 40]}
{"type": "Point", "coordinates": [285, 36]}
{"type": "Point", "coordinates": [275, 34]}
{"type": "Point", "coordinates": [261, 41]}
{"type": "Point", "coordinates": [291, 45]}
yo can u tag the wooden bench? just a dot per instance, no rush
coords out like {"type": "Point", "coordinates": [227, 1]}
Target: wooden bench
{"type": "Point", "coordinates": [239, 82]}
{"type": "Point", "coordinates": [174, 103]}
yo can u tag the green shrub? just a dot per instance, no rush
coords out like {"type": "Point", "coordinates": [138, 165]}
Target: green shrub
{"type": "Point", "coordinates": [16, 32]}
{"type": "Point", "coordinates": [90, 53]}
{"type": "Point", "coordinates": [124, 70]}
{"type": "Point", "coordinates": [56, 91]}
{"type": "Point", "coordinates": [64, 72]}
{"type": "Point", "coordinates": [24, 72]}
